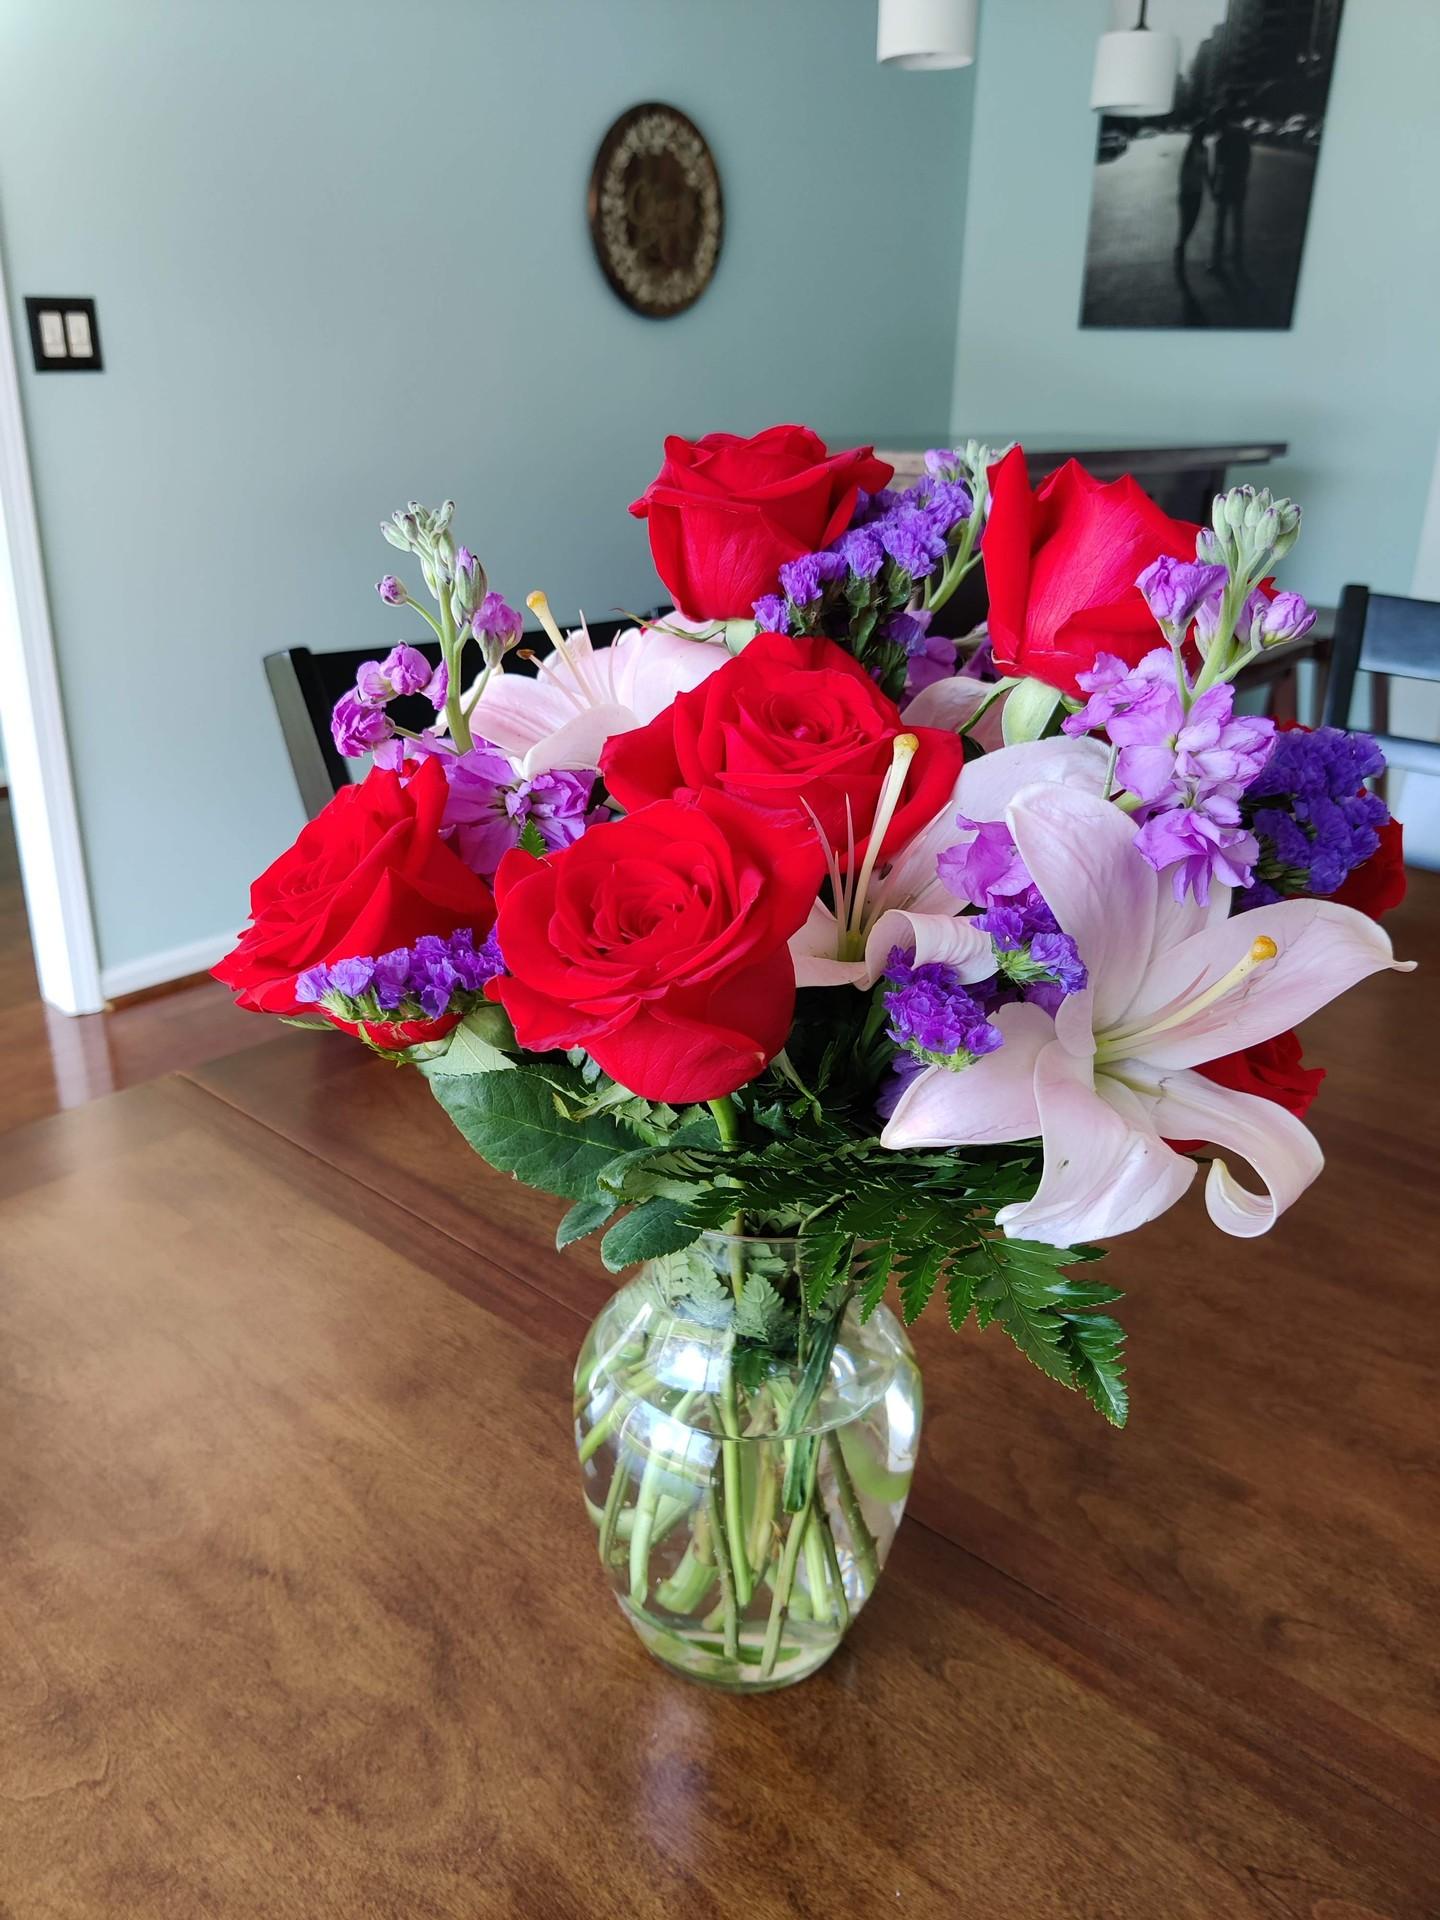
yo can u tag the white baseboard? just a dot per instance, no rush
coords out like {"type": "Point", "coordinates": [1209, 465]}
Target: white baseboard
{"type": "Point", "coordinates": [157, 969]}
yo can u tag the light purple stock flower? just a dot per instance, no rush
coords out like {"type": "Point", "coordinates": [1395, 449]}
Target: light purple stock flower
{"type": "Point", "coordinates": [1175, 590]}
{"type": "Point", "coordinates": [358, 728]}
{"type": "Point", "coordinates": [496, 619]}
{"type": "Point", "coordinates": [489, 803]}
{"type": "Point", "coordinates": [1288, 616]}
{"type": "Point", "coordinates": [392, 591]}
{"type": "Point", "coordinates": [984, 865]}
{"type": "Point", "coordinates": [1201, 842]}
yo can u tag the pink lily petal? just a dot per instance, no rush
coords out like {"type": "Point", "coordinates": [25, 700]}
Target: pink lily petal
{"type": "Point", "coordinates": [929, 936]}
{"type": "Point", "coordinates": [1107, 1170]}
{"type": "Point", "coordinates": [578, 740]}
{"type": "Point", "coordinates": [988, 785]}
{"type": "Point", "coordinates": [1280, 1148]}
{"type": "Point", "coordinates": [1323, 949]}
{"type": "Point", "coordinates": [989, 1103]}
{"type": "Point", "coordinates": [1080, 852]}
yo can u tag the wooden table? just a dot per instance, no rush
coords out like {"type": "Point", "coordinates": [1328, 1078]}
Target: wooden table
{"type": "Point", "coordinates": [299, 1614]}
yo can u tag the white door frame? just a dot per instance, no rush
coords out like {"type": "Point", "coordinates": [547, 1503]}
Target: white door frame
{"type": "Point", "coordinates": [37, 754]}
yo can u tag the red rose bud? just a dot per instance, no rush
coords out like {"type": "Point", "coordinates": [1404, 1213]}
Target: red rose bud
{"type": "Point", "coordinates": [798, 729]}
{"type": "Point", "coordinates": [658, 943]}
{"type": "Point", "coordinates": [369, 873]}
{"type": "Point", "coordinates": [1061, 565]}
{"type": "Point", "coordinates": [726, 513]}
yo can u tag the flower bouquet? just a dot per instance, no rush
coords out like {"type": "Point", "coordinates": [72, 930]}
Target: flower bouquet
{"type": "Point", "coordinates": [815, 965]}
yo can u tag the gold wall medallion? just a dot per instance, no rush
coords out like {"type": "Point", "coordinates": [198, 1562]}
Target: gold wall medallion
{"type": "Point", "coordinates": [656, 215]}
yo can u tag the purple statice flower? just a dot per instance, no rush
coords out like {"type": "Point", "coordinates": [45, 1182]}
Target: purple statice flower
{"type": "Point", "coordinates": [392, 591]}
{"type": "Point", "coordinates": [404, 670]}
{"type": "Point", "coordinates": [439, 974]}
{"type": "Point", "coordinates": [861, 551]}
{"type": "Point", "coordinates": [312, 985]}
{"type": "Point", "coordinates": [1175, 590]}
{"type": "Point", "coordinates": [933, 1016]}
{"type": "Point", "coordinates": [1033, 957]}
{"type": "Point", "coordinates": [1309, 808]}
{"type": "Point", "coordinates": [1202, 841]}
{"type": "Point", "coordinates": [771, 614]}
{"type": "Point", "coordinates": [358, 728]}
{"type": "Point", "coordinates": [873, 506]}
{"type": "Point", "coordinates": [352, 977]}
{"type": "Point", "coordinates": [912, 542]}
{"type": "Point", "coordinates": [806, 579]}
{"type": "Point", "coordinates": [943, 503]}
{"type": "Point", "coordinates": [984, 864]}
{"type": "Point", "coordinates": [495, 619]}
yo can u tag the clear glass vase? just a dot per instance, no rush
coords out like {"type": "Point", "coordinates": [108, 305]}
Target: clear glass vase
{"type": "Point", "coordinates": [745, 1466]}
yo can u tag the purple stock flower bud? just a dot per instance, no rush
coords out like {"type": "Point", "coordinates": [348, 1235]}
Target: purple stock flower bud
{"type": "Point", "coordinates": [1287, 617]}
{"type": "Point", "coordinates": [392, 591]}
{"type": "Point", "coordinates": [1175, 590]}
{"type": "Point", "coordinates": [357, 728]}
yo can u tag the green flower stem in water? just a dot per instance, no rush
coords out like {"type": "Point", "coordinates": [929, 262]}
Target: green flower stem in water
{"type": "Point", "coordinates": [861, 1537]}
{"type": "Point", "coordinates": [646, 1504]}
{"type": "Point", "coordinates": [780, 1606]}
{"type": "Point", "coordinates": [733, 1474]}
{"type": "Point", "coordinates": [729, 1610]}
{"type": "Point", "coordinates": [638, 1387]}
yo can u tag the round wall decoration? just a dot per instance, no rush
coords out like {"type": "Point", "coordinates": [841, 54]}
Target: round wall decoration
{"type": "Point", "coordinates": [656, 215]}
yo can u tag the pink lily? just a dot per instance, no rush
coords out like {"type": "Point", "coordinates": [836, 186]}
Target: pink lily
{"type": "Point", "coordinates": [1111, 1078]}
{"type": "Point", "coordinates": [582, 694]}
{"type": "Point", "coordinates": [907, 904]}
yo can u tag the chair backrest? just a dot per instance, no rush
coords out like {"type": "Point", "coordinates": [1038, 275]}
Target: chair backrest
{"type": "Point", "coordinates": [1383, 633]}
{"type": "Point", "coordinates": [306, 685]}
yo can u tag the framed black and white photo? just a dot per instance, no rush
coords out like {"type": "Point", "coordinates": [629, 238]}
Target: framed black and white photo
{"type": "Point", "coordinates": [1197, 219]}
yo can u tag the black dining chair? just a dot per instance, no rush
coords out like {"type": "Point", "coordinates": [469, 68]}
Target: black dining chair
{"type": "Point", "coordinates": [306, 685]}
{"type": "Point", "coordinates": [1384, 635]}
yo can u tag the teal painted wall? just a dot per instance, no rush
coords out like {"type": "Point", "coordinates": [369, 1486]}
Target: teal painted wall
{"type": "Point", "coordinates": [340, 257]}
{"type": "Point", "coordinates": [1354, 388]}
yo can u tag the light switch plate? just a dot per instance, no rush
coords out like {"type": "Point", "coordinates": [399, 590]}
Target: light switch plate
{"type": "Point", "coordinates": [64, 333]}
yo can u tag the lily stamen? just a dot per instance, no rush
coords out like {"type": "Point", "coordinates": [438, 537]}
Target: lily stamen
{"type": "Point", "coordinates": [539, 605]}
{"type": "Point", "coordinates": [852, 919]}
{"type": "Point", "coordinates": [1122, 1041]}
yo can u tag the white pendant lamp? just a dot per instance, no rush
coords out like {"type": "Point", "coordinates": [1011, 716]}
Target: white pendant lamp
{"type": "Point", "coordinates": [1136, 71]}
{"type": "Point", "coordinates": [926, 36]}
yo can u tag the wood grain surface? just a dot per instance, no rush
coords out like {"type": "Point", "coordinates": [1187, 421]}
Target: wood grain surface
{"type": "Point", "coordinates": [299, 1612]}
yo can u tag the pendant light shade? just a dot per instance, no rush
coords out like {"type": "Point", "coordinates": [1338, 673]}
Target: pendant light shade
{"type": "Point", "coordinates": [1136, 71]}
{"type": "Point", "coordinates": [926, 36]}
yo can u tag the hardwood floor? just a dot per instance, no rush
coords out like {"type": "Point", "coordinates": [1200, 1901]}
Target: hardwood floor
{"type": "Point", "coordinates": [49, 1061]}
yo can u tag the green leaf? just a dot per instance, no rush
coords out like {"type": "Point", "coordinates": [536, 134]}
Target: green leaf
{"type": "Point", "coordinates": [1094, 1342]}
{"type": "Point", "coordinates": [659, 1226]}
{"type": "Point", "coordinates": [510, 1119]}
{"type": "Point", "coordinates": [870, 1271]}
{"type": "Point", "coordinates": [475, 1045]}
{"type": "Point", "coordinates": [917, 1270]}
{"type": "Point", "coordinates": [820, 1254]}
{"type": "Point", "coordinates": [584, 1217]}
{"type": "Point", "coordinates": [959, 1293]}
{"type": "Point", "coordinates": [760, 1313]}
{"type": "Point", "coordinates": [532, 841]}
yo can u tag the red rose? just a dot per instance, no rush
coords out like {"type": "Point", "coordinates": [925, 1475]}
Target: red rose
{"type": "Point", "coordinates": [1272, 1069]}
{"type": "Point", "coordinates": [395, 1034]}
{"type": "Point", "coordinates": [368, 874]}
{"type": "Point", "coordinates": [657, 943]}
{"type": "Point", "coordinates": [727, 513]}
{"type": "Point", "coordinates": [1377, 884]}
{"type": "Point", "coordinates": [1061, 566]}
{"type": "Point", "coordinates": [788, 724]}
